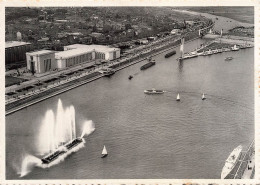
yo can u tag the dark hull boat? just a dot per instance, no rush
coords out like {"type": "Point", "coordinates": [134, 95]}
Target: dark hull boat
{"type": "Point", "coordinates": [147, 65]}
{"type": "Point", "coordinates": [62, 151]}
{"type": "Point", "coordinates": [170, 54]}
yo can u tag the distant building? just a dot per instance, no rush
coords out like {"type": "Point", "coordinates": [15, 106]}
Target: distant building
{"type": "Point", "coordinates": [41, 61]}
{"type": "Point", "coordinates": [15, 51]}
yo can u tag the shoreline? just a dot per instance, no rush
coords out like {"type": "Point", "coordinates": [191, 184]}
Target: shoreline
{"type": "Point", "coordinates": [85, 81]}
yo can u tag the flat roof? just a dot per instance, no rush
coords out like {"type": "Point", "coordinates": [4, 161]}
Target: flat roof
{"type": "Point", "coordinates": [9, 44]}
{"type": "Point", "coordinates": [97, 48]}
{"type": "Point", "coordinates": [40, 52]}
{"type": "Point", "coordinates": [71, 53]}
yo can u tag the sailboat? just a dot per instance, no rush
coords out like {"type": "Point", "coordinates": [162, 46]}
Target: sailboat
{"type": "Point", "coordinates": [203, 97]}
{"type": "Point", "coordinates": [178, 97]}
{"type": "Point", "coordinates": [104, 152]}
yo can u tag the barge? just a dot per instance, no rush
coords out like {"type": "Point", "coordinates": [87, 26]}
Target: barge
{"type": "Point", "coordinates": [63, 151]}
{"type": "Point", "coordinates": [170, 54]}
{"type": "Point", "coordinates": [147, 65]}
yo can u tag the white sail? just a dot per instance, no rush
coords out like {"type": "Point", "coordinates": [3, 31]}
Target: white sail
{"type": "Point", "coordinates": [104, 152]}
{"type": "Point", "coordinates": [178, 96]}
{"type": "Point", "coordinates": [203, 96]}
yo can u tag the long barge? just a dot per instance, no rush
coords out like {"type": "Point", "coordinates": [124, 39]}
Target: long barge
{"type": "Point", "coordinates": [62, 151]}
{"type": "Point", "coordinates": [147, 65]}
{"type": "Point", "coordinates": [170, 54]}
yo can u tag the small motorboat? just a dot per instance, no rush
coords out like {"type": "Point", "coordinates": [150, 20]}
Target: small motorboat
{"type": "Point", "coordinates": [178, 97]}
{"type": "Point", "coordinates": [228, 58]}
{"type": "Point", "coordinates": [130, 77]}
{"type": "Point", "coordinates": [203, 97]}
{"type": "Point", "coordinates": [104, 152]}
{"type": "Point", "coordinates": [153, 91]}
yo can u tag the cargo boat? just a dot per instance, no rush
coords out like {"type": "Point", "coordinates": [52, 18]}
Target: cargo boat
{"type": "Point", "coordinates": [61, 152]}
{"type": "Point", "coordinates": [170, 54]}
{"type": "Point", "coordinates": [153, 91]}
{"type": "Point", "coordinates": [231, 162]}
{"type": "Point", "coordinates": [147, 65]}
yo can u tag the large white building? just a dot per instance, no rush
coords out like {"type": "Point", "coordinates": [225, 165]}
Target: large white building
{"type": "Point", "coordinates": [101, 52]}
{"type": "Point", "coordinates": [73, 57]}
{"type": "Point", "coordinates": [41, 61]}
{"type": "Point", "coordinates": [44, 60]}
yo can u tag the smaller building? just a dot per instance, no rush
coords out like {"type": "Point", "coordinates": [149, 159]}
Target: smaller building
{"type": "Point", "coordinates": [41, 61]}
{"type": "Point", "coordinates": [15, 51]}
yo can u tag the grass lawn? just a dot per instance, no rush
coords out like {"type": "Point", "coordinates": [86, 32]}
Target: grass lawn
{"type": "Point", "coordinates": [9, 80]}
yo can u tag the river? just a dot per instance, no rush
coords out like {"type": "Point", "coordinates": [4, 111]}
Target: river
{"type": "Point", "coordinates": [149, 136]}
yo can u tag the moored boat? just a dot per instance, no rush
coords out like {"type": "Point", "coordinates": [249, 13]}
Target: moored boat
{"type": "Point", "coordinates": [130, 77]}
{"type": "Point", "coordinates": [107, 72]}
{"type": "Point", "coordinates": [235, 48]}
{"type": "Point", "coordinates": [209, 52]}
{"type": "Point", "coordinates": [231, 162]}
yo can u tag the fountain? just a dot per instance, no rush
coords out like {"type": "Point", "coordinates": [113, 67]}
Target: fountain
{"type": "Point", "coordinates": [57, 138]}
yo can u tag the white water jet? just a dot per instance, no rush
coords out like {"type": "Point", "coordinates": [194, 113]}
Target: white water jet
{"type": "Point", "coordinates": [59, 130]}
{"type": "Point", "coordinates": [67, 126]}
{"type": "Point", "coordinates": [88, 128]}
{"type": "Point", "coordinates": [73, 122]}
{"type": "Point", "coordinates": [28, 163]}
{"type": "Point", "coordinates": [46, 136]}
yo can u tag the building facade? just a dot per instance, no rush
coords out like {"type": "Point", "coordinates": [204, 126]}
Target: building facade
{"type": "Point", "coordinates": [73, 57]}
{"type": "Point", "coordinates": [15, 51]}
{"type": "Point", "coordinates": [45, 60]}
{"type": "Point", "coordinates": [41, 61]}
{"type": "Point", "coordinates": [101, 51]}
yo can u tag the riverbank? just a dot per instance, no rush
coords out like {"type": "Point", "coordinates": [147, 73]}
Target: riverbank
{"type": "Point", "coordinates": [219, 21]}
{"type": "Point", "coordinates": [48, 93]}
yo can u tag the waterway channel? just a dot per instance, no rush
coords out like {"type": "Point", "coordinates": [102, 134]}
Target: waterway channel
{"type": "Point", "coordinates": [149, 136]}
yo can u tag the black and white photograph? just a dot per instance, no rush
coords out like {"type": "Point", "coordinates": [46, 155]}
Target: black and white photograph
{"type": "Point", "coordinates": [129, 92]}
